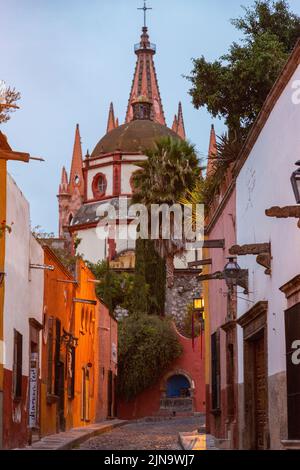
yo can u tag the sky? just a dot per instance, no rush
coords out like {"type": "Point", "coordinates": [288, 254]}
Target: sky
{"type": "Point", "coordinates": [70, 58]}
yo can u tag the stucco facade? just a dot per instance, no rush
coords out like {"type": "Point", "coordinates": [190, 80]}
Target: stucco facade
{"type": "Point", "coordinates": [23, 307]}
{"type": "Point", "coordinates": [221, 412]}
{"type": "Point", "coordinates": [264, 182]}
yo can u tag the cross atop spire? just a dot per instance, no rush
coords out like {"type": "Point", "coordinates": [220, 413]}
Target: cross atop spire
{"type": "Point", "coordinates": [145, 9]}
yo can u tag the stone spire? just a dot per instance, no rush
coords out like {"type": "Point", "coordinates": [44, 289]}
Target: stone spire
{"type": "Point", "coordinates": [64, 184]}
{"type": "Point", "coordinates": [112, 123]}
{"type": "Point", "coordinates": [145, 81]}
{"type": "Point", "coordinates": [71, 192]}
{"type": "Point", "coordinates": [175, 124]}
{"type": "Point", "coordinates": [178, 124]}
{"type": "Point", "coordinates": [212, 152]}
{"type": "Point", "coordinates": [76, 174]}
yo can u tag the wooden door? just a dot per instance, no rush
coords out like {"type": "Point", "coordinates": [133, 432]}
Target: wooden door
{"type": "Point", "coordinates": [260, 388]}
{"type": "Point", "coordinates": [292, 331]}
{"type": "Point", "coordinates": [109, 394]}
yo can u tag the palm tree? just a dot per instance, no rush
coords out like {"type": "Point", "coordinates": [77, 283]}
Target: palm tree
{"type": "Point", "coordinates": [169, 174]}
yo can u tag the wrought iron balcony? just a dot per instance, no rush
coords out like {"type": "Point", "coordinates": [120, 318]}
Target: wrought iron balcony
{"type": "Point", "coordinates": [147, 47]}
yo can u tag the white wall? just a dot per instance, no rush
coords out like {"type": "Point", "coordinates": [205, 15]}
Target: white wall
{"type": "Point", "coordinates": [108, 172]}
{"type": "Point", "coordinates": [91, 247]}
{"type": "Point", "coordinates": [127, 171]}
{"type": "Point", "coordinates": [263, 182]}
{"type": "Point", "coordinates": [23, 287]}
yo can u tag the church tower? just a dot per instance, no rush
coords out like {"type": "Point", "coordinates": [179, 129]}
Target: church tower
{"type": "Point", "coordinates": [145, 81]}
{"type": "Point", "coordinates": [71, 191]}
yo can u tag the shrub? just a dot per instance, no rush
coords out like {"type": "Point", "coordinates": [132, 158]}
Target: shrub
{"type": "Point", "coordinates": [148, 345]}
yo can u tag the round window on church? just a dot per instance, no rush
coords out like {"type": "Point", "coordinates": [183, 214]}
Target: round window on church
{"type": "Point", "coordinates": [99, 185]}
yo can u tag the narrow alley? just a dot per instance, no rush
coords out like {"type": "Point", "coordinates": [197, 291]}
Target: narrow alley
{"type": "Point", "coordinates": [145, 435]}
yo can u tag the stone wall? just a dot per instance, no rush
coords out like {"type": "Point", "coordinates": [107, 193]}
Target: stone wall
{"type": "Point", "coordinates": [186, 286]}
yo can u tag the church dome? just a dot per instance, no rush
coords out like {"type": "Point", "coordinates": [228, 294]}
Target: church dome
{"type": "Point", "coordinates": [132, 137]}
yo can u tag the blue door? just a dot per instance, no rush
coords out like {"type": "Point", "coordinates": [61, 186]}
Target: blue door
{"type": "Point", "coordinates": [178, 386]}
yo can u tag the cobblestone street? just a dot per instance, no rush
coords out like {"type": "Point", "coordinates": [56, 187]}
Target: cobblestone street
{"type": "Point", "coordinates": [145, 435]}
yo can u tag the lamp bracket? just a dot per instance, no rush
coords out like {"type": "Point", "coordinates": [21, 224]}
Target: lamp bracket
{"type": "Point", "coordinates": [284, 212]}
{"type": "Point", "coordinates": [262, 250]}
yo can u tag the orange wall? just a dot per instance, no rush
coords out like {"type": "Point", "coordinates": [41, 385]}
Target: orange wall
{"type": "Point", "coordinates": [58, 302]}
{"type": "Point", "coordinates": [85, 328]}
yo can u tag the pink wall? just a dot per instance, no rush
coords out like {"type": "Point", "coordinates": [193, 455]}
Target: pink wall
{"type": "Point", "coordinates": [108, 335]}
{"type": "Point", "coordinates": [224, 228]}
{"type": "Point", "coordinates": [191, 363]}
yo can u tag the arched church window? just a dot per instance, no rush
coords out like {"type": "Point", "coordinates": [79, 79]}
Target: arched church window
{"type": "Point", "coordinates": [77, 179]}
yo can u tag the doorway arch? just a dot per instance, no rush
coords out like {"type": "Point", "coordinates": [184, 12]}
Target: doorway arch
{"type": "Point", "coordinates": [178, 386]}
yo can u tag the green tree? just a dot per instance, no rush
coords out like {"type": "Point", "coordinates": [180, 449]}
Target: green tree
{"type": "Point", "coordinates": [147, 345]}
{"type": "Point", "coordinates": [235, 86]}
{"type": "Point", "coordinates": [114, 289]}
{"type": "Point", "coordinates": [150, 269]}
{"type": "Point", "coordinates": [170, 171]}
{"type": "Point", "coordinates": [186, 328]}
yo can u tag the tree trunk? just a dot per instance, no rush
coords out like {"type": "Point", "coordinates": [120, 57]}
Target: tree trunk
{"type": "Point", "coordinates": [170, 270]}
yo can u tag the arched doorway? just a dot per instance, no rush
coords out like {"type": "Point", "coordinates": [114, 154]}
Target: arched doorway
{"type": "Point", "coordinates": [178, 386]}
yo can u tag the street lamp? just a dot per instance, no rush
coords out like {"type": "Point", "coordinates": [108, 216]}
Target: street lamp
{"type": "Point", "coordinates": [198, 304]}
{"type": "Point", "coordinates": [232, 272]}
{"type": "Point", "coordinates": [295, 180]}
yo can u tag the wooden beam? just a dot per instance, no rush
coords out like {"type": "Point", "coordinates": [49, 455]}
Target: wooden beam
{"type": "Point", "coordinates": [211, 277]}
{"type": "Point", "coordinates": [214, 244]}
{"type": "Point", "coordinates": [208, 244]}
{"type": "Point", "coordinates": [17, 156]}
{"type": "Point", "coordinates": [283, 212]}
{"type": "Point", "coordinates": [251, 249]}
{"type": "Point", "coordinates": [202, 262]}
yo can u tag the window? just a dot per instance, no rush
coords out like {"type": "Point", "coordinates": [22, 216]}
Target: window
{"type": "Point", "coordinates": [17, 365]}
{"type": "Point", "coordinates": [71, 372]}
{"type": "Point", "coordinates": [57, 356]}
{"type": "Point", "coordinates": [99, 185]}
{"type": "Point", "coordinates": [215, 370]}
{"type": "Point", "coordinates": [50, 357]}
{"type": "Point", "coordinates": [82, 321]}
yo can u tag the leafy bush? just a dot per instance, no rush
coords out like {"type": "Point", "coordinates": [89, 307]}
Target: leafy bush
{"type": "Point", "coordinates": [150, 269]}
{"type": "Point", "coordinates": [186, 328]}
{"type": "Point", "coordinates": [114, 289]}
{"type": "Point", "coordinates": [148, 345]}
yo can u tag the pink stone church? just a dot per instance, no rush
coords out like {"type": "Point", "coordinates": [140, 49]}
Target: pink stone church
{"type": "Point", "coordinates": [103, 178]}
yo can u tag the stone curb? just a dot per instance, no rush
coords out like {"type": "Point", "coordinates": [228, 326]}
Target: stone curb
{"type": "Point", "coordinates": [195, 441]}
{"type": "Point", "coordinates": [73, 438]}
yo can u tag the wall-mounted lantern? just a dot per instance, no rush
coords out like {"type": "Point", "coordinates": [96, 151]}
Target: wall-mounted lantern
{"type": "Point", "coordinates": [232, 272]}
{"type": "Point", "coordinates": [198, 304]}
{"type": "Point", "coordinates": [295, 180]}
